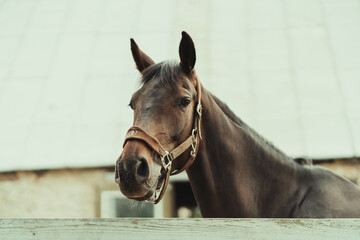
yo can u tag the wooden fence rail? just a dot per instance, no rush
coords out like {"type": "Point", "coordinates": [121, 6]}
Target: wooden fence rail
{"type": "Point", "coordinates": [189, 229]}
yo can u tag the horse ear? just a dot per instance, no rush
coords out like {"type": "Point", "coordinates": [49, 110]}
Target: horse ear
{"type": "Point", "coordinates": [141, 59]}
{"type": "Point", "coordinates": [187, 53]}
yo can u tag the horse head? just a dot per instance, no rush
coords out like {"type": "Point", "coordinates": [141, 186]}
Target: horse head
{"type": "Point", "coordinates": [165, 133]}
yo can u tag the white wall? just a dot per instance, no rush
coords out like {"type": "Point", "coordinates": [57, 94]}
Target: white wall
{"type": "Point", "coordinates": [288, 68]}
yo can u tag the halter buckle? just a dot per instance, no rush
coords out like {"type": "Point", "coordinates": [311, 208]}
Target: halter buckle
{"type": "Point", "coordinates": [193, 145]}
{"type": "Point", "coordinates": [199, 109]}
{"type": "Point", "coordinates": [153, 199]}
{"type": "Point", "coordinates": [166, 161]}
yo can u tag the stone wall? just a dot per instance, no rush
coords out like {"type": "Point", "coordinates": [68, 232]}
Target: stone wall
{"type": "Point", "coordinates": [66, 193]}
{"type": "Point", "coordinates": [76, 193]}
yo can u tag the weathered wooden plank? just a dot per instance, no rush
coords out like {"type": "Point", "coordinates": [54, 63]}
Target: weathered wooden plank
{"type": "Point", "coordinates": [191, 229]}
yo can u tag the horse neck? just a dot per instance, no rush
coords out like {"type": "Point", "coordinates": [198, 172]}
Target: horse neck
{"type": "Point", "coordinates": [235, 168]}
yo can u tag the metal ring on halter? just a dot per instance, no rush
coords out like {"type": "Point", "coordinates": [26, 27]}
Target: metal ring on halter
{"type": "Point", "coordinates": [166, 160]}
{"type": "Point", "coordinates": [193, 145]}
{"type": "Point", "coordinates": [155, 196]}
{"type": "Point", "coordinates": [152, 200]}
{"type": "Point", "coordinates": [159, 192]}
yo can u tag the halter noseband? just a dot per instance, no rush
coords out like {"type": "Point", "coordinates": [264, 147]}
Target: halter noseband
{"type": "Point", "coordinates": [167, 157]}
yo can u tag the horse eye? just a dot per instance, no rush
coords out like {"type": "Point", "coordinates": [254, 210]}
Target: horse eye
{"type": "Point", "coordinates": [185, 101]}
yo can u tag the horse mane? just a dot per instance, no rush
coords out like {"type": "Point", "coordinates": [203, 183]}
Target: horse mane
{"type": "Point", "coordinates": [237, 121]}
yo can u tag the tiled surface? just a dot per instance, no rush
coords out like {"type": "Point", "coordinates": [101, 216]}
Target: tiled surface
{"type": "Point", "coordinates": [342, 13]}
{"type": "Point", "coordinates": [310, 48]}
{"type": "Point", "coordinates": [289, 68]}
{"type": "Point", "coordinates": [303, 13]}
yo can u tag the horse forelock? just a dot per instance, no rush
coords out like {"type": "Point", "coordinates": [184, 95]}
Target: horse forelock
{"type": "Point", "coordinates": [168, 73]}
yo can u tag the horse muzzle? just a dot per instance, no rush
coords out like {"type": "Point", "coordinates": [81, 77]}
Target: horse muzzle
{"type": "Point", "coordinates": [136, 174]}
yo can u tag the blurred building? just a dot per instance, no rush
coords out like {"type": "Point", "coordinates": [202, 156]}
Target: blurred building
{"type": "Point", "coordinates": [290, 69]}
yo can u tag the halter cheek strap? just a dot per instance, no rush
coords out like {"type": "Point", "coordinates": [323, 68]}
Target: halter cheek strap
{"type": "Point", "coordinates": [167, 157]}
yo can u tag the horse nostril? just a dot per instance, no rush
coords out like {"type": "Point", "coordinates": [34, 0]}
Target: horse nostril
{"type": "Point", "coordinates": [133, 170]}
{"type": "Point", "coordinates": [142, 170]}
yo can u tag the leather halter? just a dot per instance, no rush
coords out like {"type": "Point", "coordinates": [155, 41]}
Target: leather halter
{"type": "Point", "coordinates": [167, 157]}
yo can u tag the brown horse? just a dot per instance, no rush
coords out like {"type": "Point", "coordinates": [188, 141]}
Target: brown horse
{"type": "Point", "coordinates": [237, 173]}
